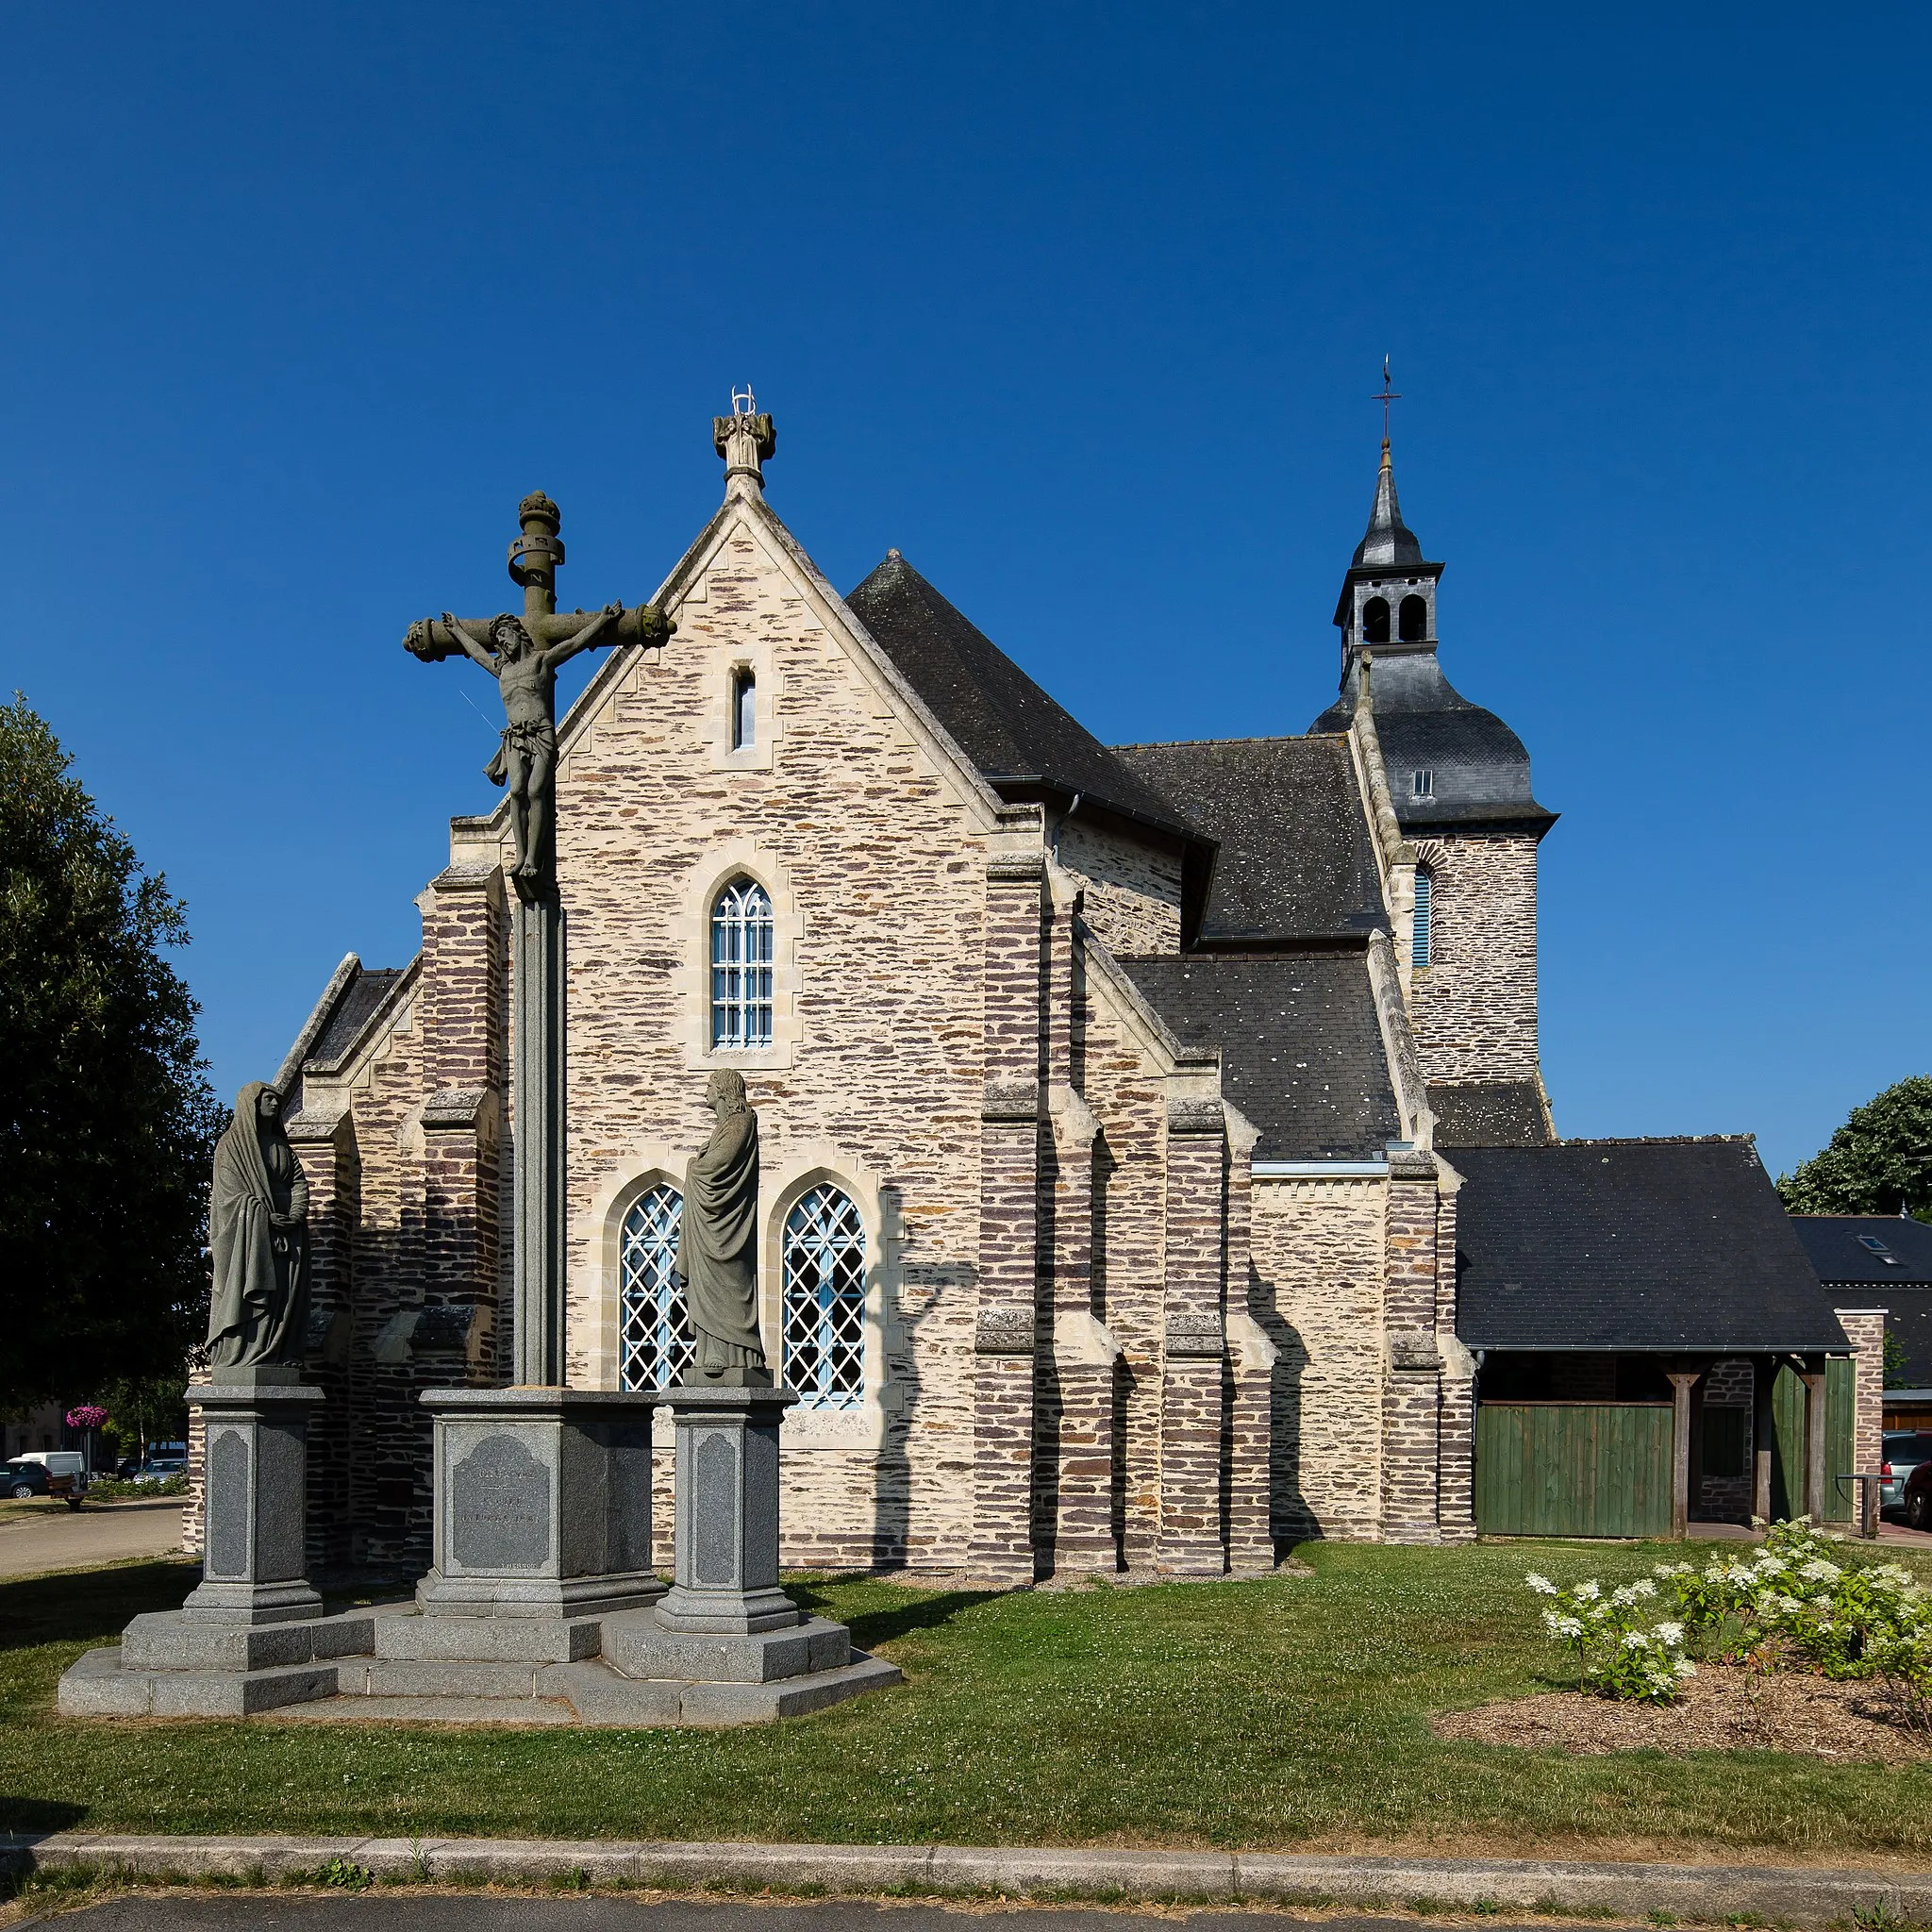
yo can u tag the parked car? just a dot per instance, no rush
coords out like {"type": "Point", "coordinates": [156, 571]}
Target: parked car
{"type": "Point", "coordinates": [1904, 1450]}
{"type": "Point", "coordinates": [158, 1469]}
{"type": "Point", "coordinates": [26, 1477]}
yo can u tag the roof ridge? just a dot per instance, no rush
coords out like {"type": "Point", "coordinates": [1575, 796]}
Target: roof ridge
{"type": "Point", "coordinates": [1651, 1140]}
{"type": "Point", "coordinates": [1178, 744]}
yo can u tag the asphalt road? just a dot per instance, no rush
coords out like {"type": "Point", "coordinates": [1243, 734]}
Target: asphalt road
{"type": "Point", "coordinates": [50, 1536]}
{"type": "Point", "coordinates": [381, 1912]}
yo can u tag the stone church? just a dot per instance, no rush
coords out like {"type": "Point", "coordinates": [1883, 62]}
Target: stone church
{"type": "Point", "coordinates": [1109, 1094]}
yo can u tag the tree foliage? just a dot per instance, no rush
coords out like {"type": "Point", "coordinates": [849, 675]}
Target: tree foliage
{"type": "Point", "coordinates": [1879, 1163]}
{"type": "Point", "coordinates": [107, 1120]}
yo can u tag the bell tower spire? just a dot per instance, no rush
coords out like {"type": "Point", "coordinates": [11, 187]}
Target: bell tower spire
{"type": "Point", "coordinates": [1389, 595]}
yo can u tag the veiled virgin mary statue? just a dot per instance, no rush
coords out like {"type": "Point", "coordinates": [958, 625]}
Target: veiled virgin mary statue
{"type": "Point", "coordinates": [259, 1230]}
{"type": "Point", "coordinates": [717, 1244]}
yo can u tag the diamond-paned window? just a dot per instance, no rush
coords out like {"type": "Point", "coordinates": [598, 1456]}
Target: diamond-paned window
{"type": "Point", "coordinates": [655, 1335]}
{"type": "Point", "coordinates": [825, 1301]}
{"type": "Point", "coordinates": [742, 966]}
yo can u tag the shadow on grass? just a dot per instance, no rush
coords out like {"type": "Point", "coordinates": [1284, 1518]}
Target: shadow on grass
{"type": "Point", "coordinates": [32, 1817]}
{"type": "Point", "coordinates": [871, 1628]}
{"type": "Point", "coordinates": [90, 1606]}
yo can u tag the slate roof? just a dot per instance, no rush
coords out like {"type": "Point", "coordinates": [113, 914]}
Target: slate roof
{"type": "Point", "coordinates": [1296, 858]}
{"type": "Point", "coordinates": [1637, 1246]}
{"type": "Point", "coordinates": [1301, 1052]}
{"type": "Point", "coordinates": [1489, 1113]}
{"type": "Point", "coordinates": [1478, 765]}
{"type": "Point", "coordinates": [1832, 1242]}
{"type": "Point", "coordinates": [351, 1013]}
{"type": "Point", "coordinates": [1013, 731]}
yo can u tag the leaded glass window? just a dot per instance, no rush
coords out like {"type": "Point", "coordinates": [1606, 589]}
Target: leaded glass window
{"type": "Point", "coordinates": [742, 966]}
{"type": "Point", "coordinates": [655, 1336]}
{"type": "Point", "coordinates": [825, 1301]}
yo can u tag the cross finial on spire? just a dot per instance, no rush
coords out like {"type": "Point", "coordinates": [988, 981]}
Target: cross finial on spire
{"type": "Point", "coordinates": [1386, 395]}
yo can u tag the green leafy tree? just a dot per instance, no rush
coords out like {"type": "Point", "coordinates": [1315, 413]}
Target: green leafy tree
{"type": "Point", "coordinates": [1879, 1163]}
{"type": "Point", "coordinates": [107, 1120]}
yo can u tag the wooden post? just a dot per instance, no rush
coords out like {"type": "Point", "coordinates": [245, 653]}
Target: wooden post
{"type": "Point", "coordinates": [1695, 1495]}
{"type": "Point", "coordinates": [1868, 1507]}
{"type": "Point", "coordinates": [1813, 1376]}
{"type": "Point", "coordinates": [1682, 1382]}
{"type": "Point", "coordinates": [1764, 1434]}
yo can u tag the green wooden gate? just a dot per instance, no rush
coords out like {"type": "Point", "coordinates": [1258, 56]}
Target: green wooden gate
{"type": "Point", "coordinates": [1573, 1468]}
{"type": "Point", "coordinates": [1788, 1435]}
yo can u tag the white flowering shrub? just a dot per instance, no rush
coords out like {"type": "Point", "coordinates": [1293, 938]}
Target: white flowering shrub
{"type": "Point", "coordinates": [1795, 1601]}
{"type": "Point", "coordinates": [1618, 1652]}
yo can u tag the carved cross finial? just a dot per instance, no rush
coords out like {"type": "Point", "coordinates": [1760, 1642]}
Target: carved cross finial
{"type": "Point", "coordinates": [743, 439]}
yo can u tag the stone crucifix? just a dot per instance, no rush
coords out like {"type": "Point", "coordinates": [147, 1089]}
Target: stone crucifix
{"type": "Point", "coordinates": [523, 654]}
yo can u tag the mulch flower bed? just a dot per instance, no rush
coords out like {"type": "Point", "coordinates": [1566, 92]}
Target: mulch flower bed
{"type": "Point", "coordinates": [1724, 1707]}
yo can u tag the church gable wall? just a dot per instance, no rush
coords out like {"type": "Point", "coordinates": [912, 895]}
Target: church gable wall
{"type": "Point", "coordinates": [1475, 1004]}
{"type": "Point", "coordinates": [1316, 1290]}
{"type": "Point", "coordinates": [876, 868]}
{"type": "Point", "coordinates": [1132, 897]}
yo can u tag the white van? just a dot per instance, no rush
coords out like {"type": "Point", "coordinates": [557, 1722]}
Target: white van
{"type": "Point", "coordinates": [67, 1462]}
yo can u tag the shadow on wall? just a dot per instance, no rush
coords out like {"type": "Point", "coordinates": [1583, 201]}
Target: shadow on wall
{"type": "Point", "coordinates": [1291, 1517]}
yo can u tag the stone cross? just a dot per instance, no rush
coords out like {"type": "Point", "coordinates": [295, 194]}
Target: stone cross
{"type": "Point", "coordinates": [523, 655]}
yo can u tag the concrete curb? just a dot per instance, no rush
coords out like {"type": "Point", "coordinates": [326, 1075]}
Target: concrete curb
{"type": "Point", "coordinates": [1774, 1895]}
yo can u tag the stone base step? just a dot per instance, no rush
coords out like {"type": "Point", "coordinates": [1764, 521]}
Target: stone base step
{"type": "Point", "coordinates": [591, 1693]}
{"type": "Point", "coordinates": [520, 1711]}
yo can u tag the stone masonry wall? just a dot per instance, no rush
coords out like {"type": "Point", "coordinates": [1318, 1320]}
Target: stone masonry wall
{"type": "Point", "coordinates": [1474, 1007]}
{"type": "Point", "coordinates": [1132, 897]}
{"type": "Point", "coordinates": [1317, 1292]}
{"type": "Point", "coordinates": [1125, 1091]}
{"type": "Point", "coordinates": [1865, 1330]}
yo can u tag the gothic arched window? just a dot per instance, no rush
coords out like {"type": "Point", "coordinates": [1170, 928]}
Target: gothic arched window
{"type": "Point", "coordinates": [654, 1339]}
{"type": "Point", "coordinates": [1423, 931]}
{"type": "Point", "coordinates": [824, 1300]}
{"type": "Point", "coordinates": [1413, 620]}
{"type": "Point", "coordinates": [742, 966]}
{"type": "Point", "coordinates": [1376, 621]}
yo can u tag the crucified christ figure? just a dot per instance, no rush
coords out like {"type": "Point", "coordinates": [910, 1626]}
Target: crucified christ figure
{"type": "Point", "coordinates": [526, 674]}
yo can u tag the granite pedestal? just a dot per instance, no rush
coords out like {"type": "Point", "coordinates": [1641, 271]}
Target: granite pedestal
{"type": "Point", "coordinates": [256, 1512]}
{"type": "Point", "coordinates": [542, 1507]}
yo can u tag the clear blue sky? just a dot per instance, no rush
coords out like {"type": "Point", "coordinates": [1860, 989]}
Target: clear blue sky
{"type": "Point", "coordinates": [1080, 308]}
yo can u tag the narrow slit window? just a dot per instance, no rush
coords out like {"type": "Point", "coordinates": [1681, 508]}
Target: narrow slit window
{"type": "Point", "coordinates": [1421, 783]}
{"type": "Point", "coordinates": [742, 967]}
{"type": "Point", "coordinates": [1421, 935]}
{"type": "Point", "coordinates": [744, 708]}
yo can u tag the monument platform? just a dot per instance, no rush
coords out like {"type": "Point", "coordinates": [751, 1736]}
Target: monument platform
{"type": "Point", "coordinates": [394, 1664]}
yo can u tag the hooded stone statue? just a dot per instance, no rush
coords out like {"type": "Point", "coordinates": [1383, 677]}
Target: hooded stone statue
{"type": "Point", "coordinates": [717, 1244]}
{"type": "Point", "coordinates": [259, 1230]}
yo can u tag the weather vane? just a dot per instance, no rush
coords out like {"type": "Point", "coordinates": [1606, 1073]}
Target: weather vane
{"type": "Point", "coordinates": [744, 402]}
{"type": "Point", "coordinates": [1385, 396]}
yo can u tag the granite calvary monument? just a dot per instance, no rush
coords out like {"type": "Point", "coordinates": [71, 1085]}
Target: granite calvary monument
{"type": "Point", "coordinates": [717, 1244]}
{"type": "Point", "coordinates": [259, 1238]}
{"type": "Point", "coordinates": [540, 1589]}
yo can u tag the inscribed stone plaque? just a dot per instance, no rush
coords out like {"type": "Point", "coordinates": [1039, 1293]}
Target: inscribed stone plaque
{"type": "Point", "coordinates": [714, 1511]}
{"type": "Point", "coordinates": [499, 1508]}
{"type": "Point", "coordinates": [228, 1505]}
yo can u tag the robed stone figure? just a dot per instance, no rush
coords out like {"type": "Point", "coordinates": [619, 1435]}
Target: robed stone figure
{"type": "Point", "coordinates": [259, 1232]}
{"type": "Point", "coordinates": [717, 1244]}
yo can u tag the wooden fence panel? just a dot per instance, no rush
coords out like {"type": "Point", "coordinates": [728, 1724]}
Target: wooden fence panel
{"type": "Point", "coordinates": [1573, 1469]}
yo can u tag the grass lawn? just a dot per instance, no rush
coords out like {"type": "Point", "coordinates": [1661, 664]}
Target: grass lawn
{"type": "Point", "coordinates": [1288, 1714]}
